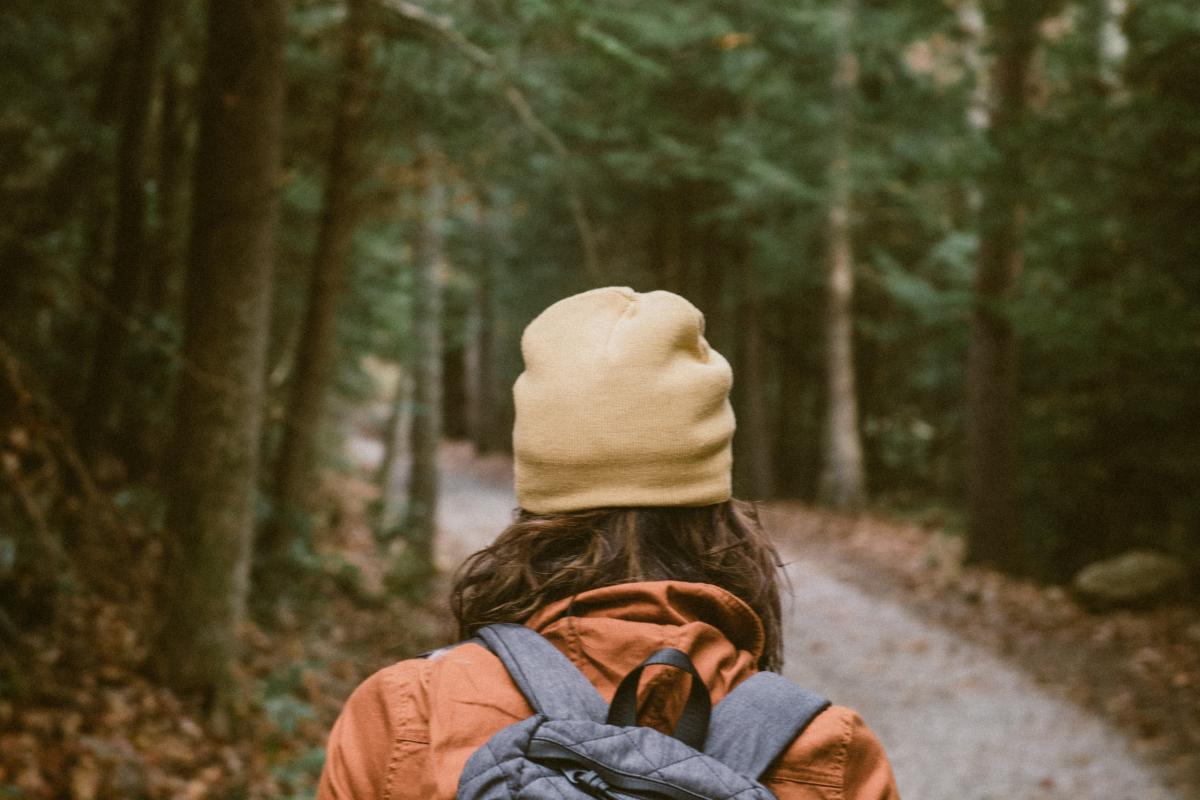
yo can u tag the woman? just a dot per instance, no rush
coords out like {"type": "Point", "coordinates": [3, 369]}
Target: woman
{"type": "Point", "coordinates": [627, 540]}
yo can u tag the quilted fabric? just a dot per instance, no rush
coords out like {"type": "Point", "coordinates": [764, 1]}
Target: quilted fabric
{"type": "Point", "coordinates": [541, 759]}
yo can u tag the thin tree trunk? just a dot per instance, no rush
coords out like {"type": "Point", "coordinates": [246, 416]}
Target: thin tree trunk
{"type": "Point", "coordinates": [163, 291]}
{"type": "Point", "coordinates": [421, 508]}
{"type": "Point", "coordinates": [493, 432]}
{"type": "Point", "coordinates": [993, 532]}
{"type": "Point", "coordinates": [842, 478]}
{"type": "Point", "coordinates": [395, 442]}
{"type": "Point", "coordinates": [226, 323]}
{"type": "Point", "coordinates": [310, 377]}
{"type": "Point", "coordinates": [454, 392]}
{"type": "Point", "coordinates": [798, 450]}
{"type": "Point", "coordinates": [755, 446]}
{"type": "Point", "coordinates": [129, 245]}
{"type": "Point", "coordinates": [141, 445]}
{"type": "Point", "coordinates": [671, 241]}
{"type": "Point", "coordinates": [472, 363]}
{"type": "Point", "coordinates": [711, 291]}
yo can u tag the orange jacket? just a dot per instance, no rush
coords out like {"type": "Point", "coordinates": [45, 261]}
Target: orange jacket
{"type": "Point", "coordinates": [408, 730]}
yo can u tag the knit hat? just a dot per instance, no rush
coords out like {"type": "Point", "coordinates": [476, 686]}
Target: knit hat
{"type": "Point", "coordinates": [622, 403]}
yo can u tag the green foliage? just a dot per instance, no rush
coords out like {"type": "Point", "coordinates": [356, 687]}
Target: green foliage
{"type": "Point", "coordinates": [705, 126]}
{"type": "Point", "coordinates": [300, 772]}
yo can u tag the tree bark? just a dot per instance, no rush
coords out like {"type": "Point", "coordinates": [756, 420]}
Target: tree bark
{"type": "Point", "coordinates": [670, 240]}
{"type": "Point", "coordinates": [992, 519]}
{"type": "Point", "coordinates": [395, 442]}
{"type": "Point", "coordinates": [842, 479]}
{"type": "Point", "coordinates": [711, 290]}
{"type": "Point", "coordinates": [294, 465]}
{"type": "Point", "coordinates": [472, 363]}
{"type": "Point", "coordinates": [491, 431]}
{"type": "Point", "coordinates": [141, 445]}
{"type": "Point", "coordinates": [219, 412]}
{"type": "Point", "coordinates": [129, 242]}
{"type": "Point", "coordinates": [801, 405]}
{"type": "Point", "coordinates": [755, 445]}
{"type": "Point", "coordinates": [163, 293]}
{"type": "Point", "coordinates": [455, 391]}
{"type": "Point", "coordinates": [420, 518]}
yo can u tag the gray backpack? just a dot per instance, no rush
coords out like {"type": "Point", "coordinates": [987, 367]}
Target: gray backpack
{"type": "Point", "coordinates": [575, 747]}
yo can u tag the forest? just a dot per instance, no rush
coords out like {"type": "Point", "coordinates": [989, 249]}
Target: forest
{"type": "Point", "coordinates": [951, 250]}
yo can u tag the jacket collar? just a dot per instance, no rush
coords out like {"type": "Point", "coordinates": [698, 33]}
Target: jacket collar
{"type": "Point", "coordinates": [676, 603]}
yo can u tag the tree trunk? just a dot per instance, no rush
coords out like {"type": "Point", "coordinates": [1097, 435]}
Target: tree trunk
{"type": "Point", "coordinates": [395, 442]}
{"type": "Point", "coordinates": [671, 246]}
{"type": "Point", "coordinates": [755, 445]}
{"type": "Point", "coordinates": [219, 413]}
{"type": "Point", "coordinates": [454, 391]}
{"type": "Point", "coordinates": [711, 291]}
{"type": "Point", "coordinates": [798, 438]}
{"type": "Point", "coordinates": [492, 432]}
{"type": "Point", "coordinates": [420, 520]}
{"type": "Point", "coordinates": [310, 377]}
{"type": "Point", "coordinates": [842, 478]}
{"type": "Point", "coordinates": [992, 522]}
{"type": "Point", "coordinates": [141, 445]}
{"type": "Point", "coordinates": [472, 363]}
{"type": "Point", "coordinates": [163, 291]}
{"type": "Point", "coordinates": [129, 245]}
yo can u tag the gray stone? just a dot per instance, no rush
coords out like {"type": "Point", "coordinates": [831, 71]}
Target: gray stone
{"type": "Point", "coordinates": [1136, 578]}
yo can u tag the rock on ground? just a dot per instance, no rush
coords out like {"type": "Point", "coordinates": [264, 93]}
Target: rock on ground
{"type": "Point", "coordinates": [1136, 578]}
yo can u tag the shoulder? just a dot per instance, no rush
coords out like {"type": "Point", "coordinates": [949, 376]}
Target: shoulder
{"type": "Point", "coordinates": [401, 693]}
{"type": "Point", "coordinates": [392, 695]}
{"type": "Point", "coordinates": [837, 754]}
{"type": "Point", "coordinates": [385, 711]}
{"type": "Point", "coordinates": [406, 699]}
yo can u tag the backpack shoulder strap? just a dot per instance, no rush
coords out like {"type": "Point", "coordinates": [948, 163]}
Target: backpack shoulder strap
{"type": "Point", "coordinates": [756, 722]}
{"type": "Point", "coordinates": [546, 677]}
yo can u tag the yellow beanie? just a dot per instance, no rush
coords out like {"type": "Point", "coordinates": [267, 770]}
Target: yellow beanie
{"type": "Point", "coordinates": [622, 403]}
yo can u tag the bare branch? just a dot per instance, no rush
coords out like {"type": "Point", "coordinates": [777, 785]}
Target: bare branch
{"type": "Point", "coordinates": [443, 26]}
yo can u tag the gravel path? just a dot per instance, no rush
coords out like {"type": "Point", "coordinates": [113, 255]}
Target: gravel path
{"type": "Point", "coordinates": [470, 514]}
{"type": "Point", "coordinates": [958, 723]}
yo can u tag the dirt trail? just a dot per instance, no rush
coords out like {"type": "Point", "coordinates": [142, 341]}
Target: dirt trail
{"type": "Point", "coordinates": [958, 722]}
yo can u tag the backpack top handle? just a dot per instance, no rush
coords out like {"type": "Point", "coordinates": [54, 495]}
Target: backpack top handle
{"type": "Point", "coordinates": [692, 727]}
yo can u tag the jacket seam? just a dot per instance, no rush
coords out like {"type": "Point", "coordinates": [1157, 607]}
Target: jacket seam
{"type": "Point", "coordinates": [843, 753]}
{"type": "Point", "coordinates": [405, 734]}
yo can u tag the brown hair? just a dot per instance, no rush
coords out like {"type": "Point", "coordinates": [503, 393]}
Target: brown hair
{"type": "Point", "coordinates": [541, 558]}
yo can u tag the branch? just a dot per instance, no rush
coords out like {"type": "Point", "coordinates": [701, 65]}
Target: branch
{"type": "Point", "coordinates": [46, 539]}
{"type": "Point", "coordinates": [444, 27]}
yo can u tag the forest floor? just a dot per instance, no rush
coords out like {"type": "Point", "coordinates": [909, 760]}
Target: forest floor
{"type": "Point", "coordinates": [978, 685]}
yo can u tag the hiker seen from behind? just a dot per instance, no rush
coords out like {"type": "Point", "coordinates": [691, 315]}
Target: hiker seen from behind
{"type": "Point", "coordinates": [621, 638]}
